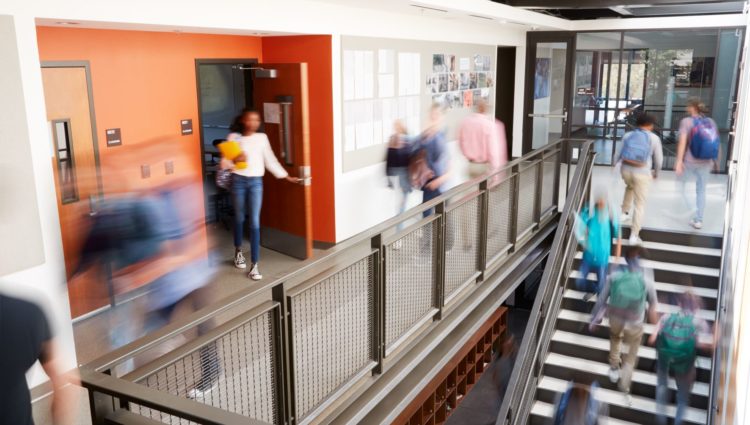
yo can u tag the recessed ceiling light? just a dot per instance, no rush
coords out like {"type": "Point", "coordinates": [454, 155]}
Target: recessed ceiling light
{"type": "Point", "coordinates": [67, 23]}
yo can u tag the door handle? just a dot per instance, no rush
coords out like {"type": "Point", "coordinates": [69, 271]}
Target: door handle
{"type": "Point", "coordinates": [563, 115]}
{"type": "Point", "coordinates": [305, 177]}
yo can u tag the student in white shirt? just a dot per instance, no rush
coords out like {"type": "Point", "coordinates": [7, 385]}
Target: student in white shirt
{"type": "Point", "coordinates": [247, 183]}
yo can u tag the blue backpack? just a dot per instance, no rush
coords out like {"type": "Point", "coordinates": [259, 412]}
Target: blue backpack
{"type": "Point", "coordinates": [704, 139]}
{"type": "Point", "coordinates": [636, 148]}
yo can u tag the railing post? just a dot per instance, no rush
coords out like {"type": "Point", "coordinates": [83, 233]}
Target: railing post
{"type": "Point", "coordinates": [284, 358]}
{"type": "Point", "coordinates": [101, 405]}
{"type": "Point", "coordinates": [484, 224]}
{"type": "Point", "coordinates": [378, 307]}
{"type": "Point", "coordinates": [539, 182]}
{"type": "Point", "coordinates": [556, 188]}
{"type": "Point", "coordinates": [514, 196]}
{"type": "Point", "coordinates": [439, 256]}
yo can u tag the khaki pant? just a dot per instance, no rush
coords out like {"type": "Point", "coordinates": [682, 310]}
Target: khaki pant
{"type": "Point", "coordinates": [636, 189]}
{"type": "Point", "coordinates": [477, 169]}
{"type": "Point", "coordinates": [631, 334]}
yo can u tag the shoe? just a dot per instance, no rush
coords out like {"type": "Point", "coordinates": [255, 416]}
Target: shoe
{"type": "Point", "coordinates": [239, 260]}
{"type": "Point", "coordinates": [626, 218]}
{"type": "Point", "coordinates": [196, 393]}
{"type": "Point", "coordinates": [255, 272]}
{"type": "Point", "coordinates": [634, 240]}
{"type": "Point", "coordinates": [614, 375]}
{"type": "Point", "coordinates": [628, 399]}
{"type": "Point", "coordinates": [696, 224]}
{"type": "Point", "coordinates": [588, 296]}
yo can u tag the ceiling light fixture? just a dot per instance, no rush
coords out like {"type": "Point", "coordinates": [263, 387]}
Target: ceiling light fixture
{"type": "Point", "coordinates": [67, 23]}
{"type": "Point", "coordinates": [428, 8]}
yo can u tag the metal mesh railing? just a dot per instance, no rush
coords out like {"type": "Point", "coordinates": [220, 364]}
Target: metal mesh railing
{"type": "Point", "coordinates": [461, 245]}
{"type": "Point", "coordinates": [549, 176]}
{"type": "Point", "coordinates": [409, 281]}
{"type": "Point", "coordinates": [332, 333]}
{"type": "Point", "coordinates": [499, 218]}
{"type": "Point", "coordinates": [234, 372]}
{"type": "Point", "coordinates": [527, 199]}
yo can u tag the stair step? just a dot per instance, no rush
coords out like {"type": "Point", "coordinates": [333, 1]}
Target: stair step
{"type": "Point", "coordinates": [676, 237]}
{"type": "Point", "coordinates": [669, 272]}
{"type": "Point", "coordinates": [586, 343]}
{"type": "Point", "coordinates": [583, 319]}
{"type": "Point", "coordinates": [641, 407]}
{"type": "Point", "coordinates": [678, 254]}
{"type": "Point", "coordinates": [661, 308]}
{"type": "Point", "coordinates": [601, 369]}
{"type": "Point", "coordinates": [682, 249]}
{"type": "Point", "coordinates": [544, 412]}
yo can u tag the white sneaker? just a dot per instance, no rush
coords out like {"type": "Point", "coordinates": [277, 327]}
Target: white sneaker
{"type": "Point", "coordinates": [255, 272]}
{"type": "Point", "coordinates": [634, 240]}
{"type": "Point", "coordinates": [239, 260]}
{"type": "Point", "coordinates": [628, 399]}
{"type": "Point", "coordinates": [614, 375]}
{"type": "Point", "coordinates": [696, 224]}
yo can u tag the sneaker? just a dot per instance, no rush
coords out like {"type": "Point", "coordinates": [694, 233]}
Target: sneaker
{"type": "Point", "coordinates": [239, 260]}
{"type": "Point", "coordinates": [634, 240]}
{"type": "Point", "coordinates": [696, 224]}
{"type": "Point", "coordinates": [626, 218]}
{"type": "Point", "coordinates": [614, 375]}
{"type": "Point", "coordinates": [588, 296]}
{"type": "Point", "coordinates": [628, 399]}
{"type": "Point", "coordinates": [255, 272]}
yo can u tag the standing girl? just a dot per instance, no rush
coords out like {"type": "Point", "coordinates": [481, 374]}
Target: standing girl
{"type": "Point", "coordinates": [247, 183]}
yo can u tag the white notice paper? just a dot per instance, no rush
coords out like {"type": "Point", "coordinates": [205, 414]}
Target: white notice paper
{"type": "Point", "coordinates": [385, 61]}
{"type": "Point", "coordinates": [408, 73]}
{"type": "Point", "coordinates": [464, 64]}
{"type": "Point", "coordinates": [271, 113]}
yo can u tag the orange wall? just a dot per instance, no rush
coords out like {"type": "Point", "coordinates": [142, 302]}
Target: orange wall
{"type": "Point", "coordinates": [316, 51]}
{"type": "Point", "coordinates": [143, 82]}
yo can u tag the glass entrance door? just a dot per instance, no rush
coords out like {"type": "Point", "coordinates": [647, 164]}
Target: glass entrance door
{"type": "Point", "coordinates": [547, 89]}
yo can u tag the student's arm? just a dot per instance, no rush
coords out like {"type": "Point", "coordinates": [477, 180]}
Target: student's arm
{"type": "Point", "coordinates": [681, 146]}
{"type": "Point", "coordinates": [64, 396]}
{"type": "Point", "coordinates": [655, 333]}
{"type": "Point", "coordinates": [446, 164]}
{"type": "Point", "coordinates": [653, 301]}
{"type": "Point", "coordinates": [272, 164]}
{"type": "Point", "coordinates": [658, 155]}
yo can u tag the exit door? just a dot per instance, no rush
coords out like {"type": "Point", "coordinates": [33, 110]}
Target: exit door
{"type": "Point", "coordinates": [281, 96]}
{"type": "Point", "coordinates": [547, 92]}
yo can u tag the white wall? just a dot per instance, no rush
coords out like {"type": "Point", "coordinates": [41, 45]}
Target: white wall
{"type": "Point", "coordinates": [44, 283]}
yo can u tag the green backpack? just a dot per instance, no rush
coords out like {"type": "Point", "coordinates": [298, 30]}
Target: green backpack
{"type": "Point", "coordinates": [628, 294]}
{"type": "Point", "coordinates": [676, 342]}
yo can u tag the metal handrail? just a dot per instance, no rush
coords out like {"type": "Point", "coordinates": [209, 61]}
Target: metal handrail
{"type": "Point", "coordinates": [513, 410]}
{"type": "Point", "coordinates": [334, 260]}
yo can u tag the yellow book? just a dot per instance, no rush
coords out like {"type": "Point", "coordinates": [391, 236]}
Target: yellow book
{"type": "Point", "coordinates": [231, 150]}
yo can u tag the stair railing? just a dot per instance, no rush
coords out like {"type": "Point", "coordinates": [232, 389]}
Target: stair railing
{"type": "Point", "coordinates": [521, 390]}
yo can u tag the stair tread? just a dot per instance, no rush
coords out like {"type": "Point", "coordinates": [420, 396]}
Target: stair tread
{"type": "Point", "coordinates": [662, 308]}
{"type": "Point", "coordinates": [616, 398]}
{"type": "Point", "coordinates": [546, 410]}
{"type": "Point", "coordinates": [603, 344]}
{"type": "Point", "coordinates": [663, 286]}
{"type": "Point", "coordinates": [585, 318]}
{"type": "Point", "coordinates": [663, 265]}
{"type": "Point", "coordinates": [601, 369]}
{"type": "Point", "coordinates": [685, 249]}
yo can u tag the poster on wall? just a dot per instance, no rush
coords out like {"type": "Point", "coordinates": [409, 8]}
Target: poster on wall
{"type": "Point", "coordinates": [468, 98]}
{"type": "Point", "coordinates": [438, 63]}
{"type": "Point", "coordinates": [452, 82]}
{"type": "Point", "coordinates": [464, 64]}
{"type": "Point", "coordinates": [541, 78]}
{"type": "Point", "coordinates": [472, 80]}
{"type": "Point", "coordinates": [451, 61]}
{"type": "Point", "coordinates": [443, 83]}
{"type": "Point", "coordinates": [464, 81]}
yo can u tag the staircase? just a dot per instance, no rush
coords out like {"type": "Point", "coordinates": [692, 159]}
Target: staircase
{"type": "Point", "coordinates": [574, 351]}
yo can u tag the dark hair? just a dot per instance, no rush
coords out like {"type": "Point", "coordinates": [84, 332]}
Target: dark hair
{"type": "Point", "coordinates": [644, 120]}
{"type": "Point", "coordinates": [698, 105]}
{"type": "Point", "coordinates": [634, 253]}
{"type": "Point", "coordinates": [237, 126]}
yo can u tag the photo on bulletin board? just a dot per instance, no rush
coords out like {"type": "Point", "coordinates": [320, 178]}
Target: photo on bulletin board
{"type": "Point", "coordinates": [468, 98]}
{"type": "Point", "coordinates": [464, 81]}
{"type": "Point", "coordinates": [438, 63]}
{"type": "Point", "coordinates": [487, 61]}
{"type": "Point", "coordinates": [452, 82]}
{"type": "Point", "coordinates": [439, 99]}
{"type": "Point", "coordinates": [541, 78]}
{"type": "Point", "coordinates": [472, 80]}
{"type": "Point", "coordinates": [464, 64]}
{"type": "Point", "coordinates": [490, 81]}
{"type": "Point", "coordinates": [443, 83]}
{"type": "Point", "coordinates": [486, 95]}
{"type": "Point", "coordinates": [451, 60]}
{"type": "Point", "coordinates": [454, 99]}
{"type": "Point", "coordinates": [481, 79]}
{"type": "Point", "coordinates": [433, 83]}
{"type": "Point", "coordinates": [476, 96]}
{"type": "Point", "coordinates": [478, 63]}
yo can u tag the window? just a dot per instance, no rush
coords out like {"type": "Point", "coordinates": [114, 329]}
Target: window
{"type": "Point", "coordinates": [65, 165]}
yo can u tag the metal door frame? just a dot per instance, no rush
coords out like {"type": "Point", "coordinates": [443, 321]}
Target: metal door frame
{"type": "Point", "coordinates": [532, 39]}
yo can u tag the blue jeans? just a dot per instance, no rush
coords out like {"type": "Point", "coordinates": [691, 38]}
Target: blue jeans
{"type": "Point", "coordinates": [583, 284]}
{"type": "Point", "coordinates": [701, 173]}
{"type": "Point", "coordinates": [247, 191]}
{"type": "Point", "coordinates": [428, 195]}
{"type": "Point", "coordinates": [684, 383]}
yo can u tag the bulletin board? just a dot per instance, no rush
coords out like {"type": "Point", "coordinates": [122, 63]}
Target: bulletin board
{"type": "Point", "coordinates": [387, 79]}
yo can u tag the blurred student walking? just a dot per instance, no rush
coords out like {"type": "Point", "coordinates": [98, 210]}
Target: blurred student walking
{"type": "Point", "coordinates": [429, 166]}
{"type": "Point", "coordinates": [641, 159]}
{"type": "Point", "coordinates": [697, 154]}
{"type": "Point", "coordinates": [596, 239]}
{"type": "Point", "coordinates": [483, 142]}
{"type": "Point", "coordinates": [623, 299]}
{"type": "Point", "coordinates": [579, 405]}
{"type": "Point", "coordinates": [677, 338]}
{"type": "Point", "coordinates": [247, 184]}
{"type": "Point", "coordinates": [397, 164]}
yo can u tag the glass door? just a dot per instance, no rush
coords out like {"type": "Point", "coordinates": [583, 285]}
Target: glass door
{"type": "Point", "coordinates": [547, 89]}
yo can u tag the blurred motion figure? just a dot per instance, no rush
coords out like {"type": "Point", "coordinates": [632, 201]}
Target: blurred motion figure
{"type": "Point", "coordinates": [483, 142]}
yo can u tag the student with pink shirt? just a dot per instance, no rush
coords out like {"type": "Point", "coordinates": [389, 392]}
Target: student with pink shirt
{"type": "Point", "coordinates": [483, 142]}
